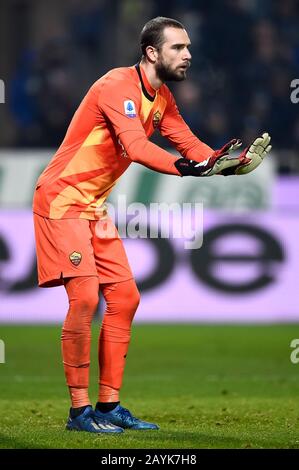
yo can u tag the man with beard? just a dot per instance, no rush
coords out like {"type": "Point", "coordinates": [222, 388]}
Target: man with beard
{"type": "Point", "coordinates": [109, 131]}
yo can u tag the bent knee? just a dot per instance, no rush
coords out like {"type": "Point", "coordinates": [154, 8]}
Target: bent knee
{"type": "Point", "coordinates": [131, 298]}
{"type": "Point", "coordinates": [83, 293]}
{"type": "Point", "coordinates": [134, 297]}
{"type": "Point", "coordinates": [87, 303]}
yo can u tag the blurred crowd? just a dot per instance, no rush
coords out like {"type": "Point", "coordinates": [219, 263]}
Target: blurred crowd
{"type": "Point", "coordinates": [245, 55]}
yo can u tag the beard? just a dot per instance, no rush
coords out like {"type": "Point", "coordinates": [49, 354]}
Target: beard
{"type": "Point", "coordinates": [166, 74]}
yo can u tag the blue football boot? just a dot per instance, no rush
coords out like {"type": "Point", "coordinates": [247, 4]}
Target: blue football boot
{"type": "Point", "coordinates": [86, 422]}
{"type": "Point", "coordinates": [122, 417]}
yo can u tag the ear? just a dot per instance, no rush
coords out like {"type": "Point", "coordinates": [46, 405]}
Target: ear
{"type": "Point", "coordinates": [151, 54]}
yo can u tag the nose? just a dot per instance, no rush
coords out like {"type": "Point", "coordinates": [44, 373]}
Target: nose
{"type": "Point", "coordinates": [187, 55]}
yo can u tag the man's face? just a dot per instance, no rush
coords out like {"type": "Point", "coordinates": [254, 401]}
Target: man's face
{"type": "Point", "coordinates": [174, 57]}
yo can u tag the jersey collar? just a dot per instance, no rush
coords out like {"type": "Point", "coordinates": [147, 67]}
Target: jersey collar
{"type": "Point", "coordinates": [148, 91]}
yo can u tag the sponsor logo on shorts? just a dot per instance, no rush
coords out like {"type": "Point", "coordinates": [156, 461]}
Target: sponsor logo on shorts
{"type": "Point", "coordinates": [75, 258]}
{"type": "Point", "coordinates": [156, 119]}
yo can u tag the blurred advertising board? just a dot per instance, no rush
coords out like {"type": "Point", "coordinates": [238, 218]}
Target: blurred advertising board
{"type": "Point", "coordinates": [19, 170]}
{"type": "Point", "coordinates": [246, 270]}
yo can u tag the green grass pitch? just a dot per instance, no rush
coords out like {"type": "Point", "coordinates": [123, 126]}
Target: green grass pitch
{"type": "Point", "coordinates": [206, 386]}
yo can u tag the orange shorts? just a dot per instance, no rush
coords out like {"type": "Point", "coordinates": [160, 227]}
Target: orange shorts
{"type": "Point", "coordinates": [77, 247]}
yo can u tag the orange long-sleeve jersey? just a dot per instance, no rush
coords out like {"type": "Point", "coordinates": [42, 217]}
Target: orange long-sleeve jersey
{"type": "Point", "coordinates": [109, 130]}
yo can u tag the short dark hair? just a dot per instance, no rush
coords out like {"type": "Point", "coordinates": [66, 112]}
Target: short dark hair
{"type": "Point", "coordinates": [152, 32]}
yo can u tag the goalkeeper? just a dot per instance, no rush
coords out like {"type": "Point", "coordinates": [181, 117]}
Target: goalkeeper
{"type": "Point", "coordinates": [110, 130]}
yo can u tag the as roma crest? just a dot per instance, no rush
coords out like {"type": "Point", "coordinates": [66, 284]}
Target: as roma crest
{"type": "Point", "coordinates": [75, 258]}
{"type": "Point", "coordinates": [156, 119]}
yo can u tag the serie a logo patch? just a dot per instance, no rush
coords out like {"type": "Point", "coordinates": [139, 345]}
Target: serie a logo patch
{"type": "Point", "coordinates": [130, 109]}
{"type": "Point", "coordinates": [75, 258]}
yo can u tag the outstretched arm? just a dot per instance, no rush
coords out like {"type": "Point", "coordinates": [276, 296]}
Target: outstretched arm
{"type": "Point", "coordinates": [120, 103]}
{"type": "Point", "coordinates": [176, 130]}
{"type": "Point", "coordinates": [196, 153]}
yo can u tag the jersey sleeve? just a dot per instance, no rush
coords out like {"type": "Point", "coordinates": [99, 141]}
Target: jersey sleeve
{"type": "Point", "coordinates": [119, 101]}
{"type": "Point", "coordinates": [175, 129]}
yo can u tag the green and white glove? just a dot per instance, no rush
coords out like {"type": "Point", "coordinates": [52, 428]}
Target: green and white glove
{"type": "Point", "coordinates": [218, 162]}
{"type": "Point", "coordinates": [253, 156]}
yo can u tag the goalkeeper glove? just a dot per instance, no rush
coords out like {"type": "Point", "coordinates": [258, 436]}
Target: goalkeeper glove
{"type": "Point", "coordinates": [252, 156]}
{"type": "Point", "coordinates": [218, 162]}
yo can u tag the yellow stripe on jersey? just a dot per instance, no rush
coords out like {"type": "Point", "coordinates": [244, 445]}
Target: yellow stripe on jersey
{"type": "Point", "coordinates": [146, 107]}
{"type": "Point", "coordinates": [85, 159]}
{"type": "Point", "coordinates": [96, 137]}
{"type": "Point", "coordinates": [85, 192]}
{"type": "Point", "coordinates": [92, 207]}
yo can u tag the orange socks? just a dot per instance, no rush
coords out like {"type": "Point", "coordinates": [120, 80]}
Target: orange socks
{"type": "Point", "coordinates": [79, 397]}
{"type": "Point", "coordinates": [76, 334]}
{"type": "Point", "coordinates": [108, 394]}
{"type": "Point", "coordinates": [122, 300]}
